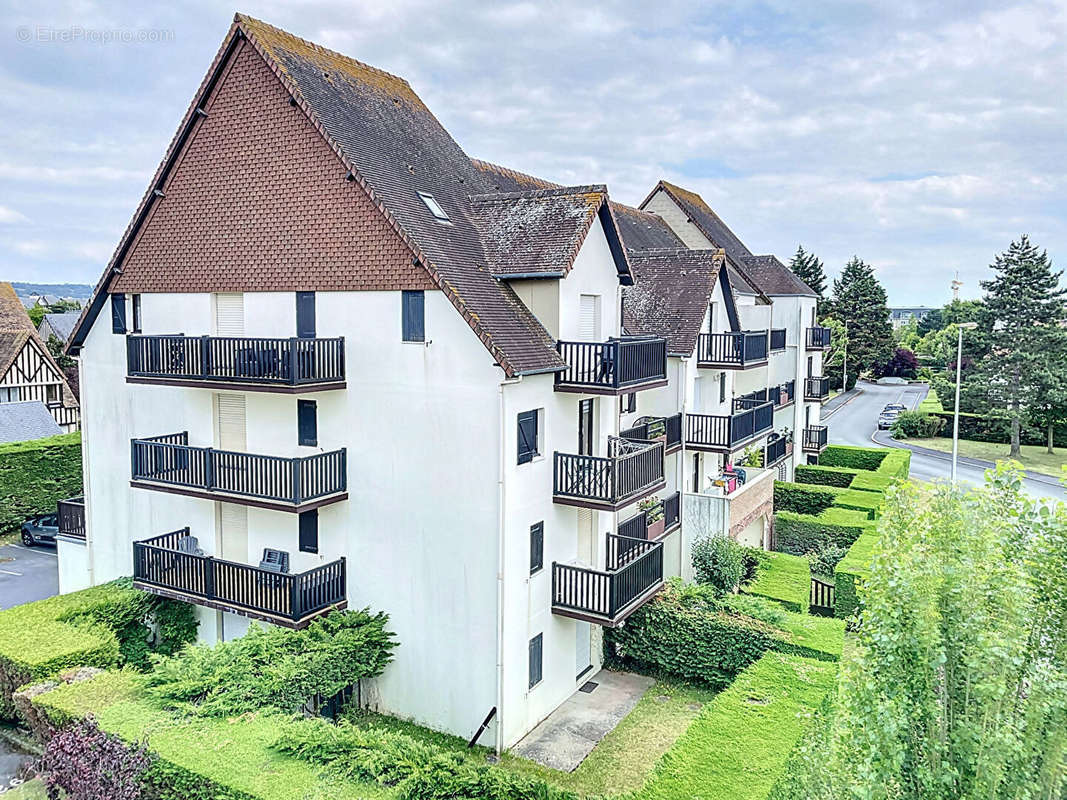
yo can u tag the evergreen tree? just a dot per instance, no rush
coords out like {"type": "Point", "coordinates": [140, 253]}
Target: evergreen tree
{"type": "Point", "coordinates": [1024, 309]}
{"type": "Point", "coordinates": [809, 269]}
{"type": "Point", "coordinates": [859, 301]}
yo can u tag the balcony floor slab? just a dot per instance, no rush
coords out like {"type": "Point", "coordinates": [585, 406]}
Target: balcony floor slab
{"type": "Point", "coordinates": [241, 386]}
{"type": "Point", "coordinates": [263, 616]}
{"type": "Point", "coordinates": [255, 502]}
{"type": "Point", "coordinates": [584, 502]}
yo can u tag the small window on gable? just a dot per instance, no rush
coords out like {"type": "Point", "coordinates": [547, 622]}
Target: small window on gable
{"type": "Point", "coordinates": [435, 207]}
{"type": "Point", "coordinates": [136, 313]}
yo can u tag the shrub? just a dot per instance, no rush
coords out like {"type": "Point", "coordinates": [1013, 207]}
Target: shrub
{"type": "Point", "coordinates": [753, 559]}
{"type": "Point", "coordinates": [719, 562]}
{"type": "Point", "coordinates": [275, 668]}
{"type": "Point", "coordinates": [930, 404]}
{"type": "Point", "coordinates": [824, 560]}
{"type": "Point", "coordinates": [839, 455]}
{"type": "Point", "coordinates": [997, 429]}
{"type": "Point", "coordinates": [104, 626]}
{"type": "Point", "coordinates": [917, 424]}
{"type": "Point", "coordinates": [870, 503]}
{"type": "Point", "coordinates": [802, 499]}
{"type": "Point", "coordinates": [819, 474]}
{"type": "Point", "coordinates": [786, 579]}
{"type": "Point", "coordinates": [800, 533]}
{"type": "Point", "coordinates": [35, 475]}
{"type": "Point", "coordinates": [89, 764]}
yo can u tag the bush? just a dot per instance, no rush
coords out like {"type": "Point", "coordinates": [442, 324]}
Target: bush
{"type": "Point", "coordinates": [802, 499]}
{"type": "Point", "coordinates": [718, 562]}
{"type": "Point", "coordinates": [917, 424]}
{"type": "Point", "coordinates": [997, 429]}
{"type": "Point", "coordinates": [799, 534]}
{"type": "Point", "coordinates": [275, 668]}
{"type": "Point", "coordinates": [821, 475]}
{"type": "Point", "coordinates": [35, 475]}
{"type": "Point", "coordinates": [930, 404]}
{"type": "Point", "coordinates": [786, 579]}
{"type": "Point", "coordinates": [839, 455]}
{"type": "Point", "coordinates": [850, 572]}
{"type": "Point", "coordinates": [104, 626]}
{"type": "Point", "coordinates": [824, 560]}
{"type": "Point", "coordinates": [89, 764]}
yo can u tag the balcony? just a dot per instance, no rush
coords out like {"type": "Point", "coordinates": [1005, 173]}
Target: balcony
{"type": "Point", "coordinates": [71, 514]}
{"type": "Point", "coordinates": [816, 389]}
{"type": "Point", "coordinates": [632, 470]}
{"type": "Point", "coordinates": [633, 576]}
{"type": "Point", "coordinates": [815, 439]}
{"type": "Point", "coordinates": [253, 364]}
{"type": "Point", "coordinates": [777, 340]}
{"type": "Point", "coordinates": [636, 527]}
{"type": "Point", "coordinates": [618, 366]}
{"type": "Point", "coordinates": [780, 396]}
{"type": "Point", "coordinates": [721, 434]}
{"type": "Point", "coordinates": [669, 429]}
{"type": "Point", "coordinates": [736, 350]}
{"type": "Point", "coordinates": [169, 464]}
{"type": "Point", "coordinates": [777, 449]}
{"type": "Point", "coordinates": [817, 339]}
{"type": "Point", "coordinates": [161, 567]}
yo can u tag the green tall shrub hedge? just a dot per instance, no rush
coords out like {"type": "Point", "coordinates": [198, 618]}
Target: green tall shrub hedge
{"type": "Point", "coordinates": [851, 571]}
{"type": "Point", "coordinates": [802, 499]}
{"type": "Point", "coordinates": [800, 533]}
{"type": "Point", "coordinates": [821, 475]}
{"type": "Point", "coordinates": [35, 475]}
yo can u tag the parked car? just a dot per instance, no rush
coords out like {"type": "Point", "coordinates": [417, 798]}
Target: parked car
{"type": "Point", "coordinates": [894, 407]}
{"type": "Point", "coordinates": [41, 529]}
{"type": "Point", "coordinates": [887, 418]}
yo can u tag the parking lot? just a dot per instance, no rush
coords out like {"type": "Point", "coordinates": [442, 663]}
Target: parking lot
{"type": "Point", "coordinates": [27, 573]}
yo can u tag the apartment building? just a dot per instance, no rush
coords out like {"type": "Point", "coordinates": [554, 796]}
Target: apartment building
{"type": "Point", "coordinates": [335, 362]}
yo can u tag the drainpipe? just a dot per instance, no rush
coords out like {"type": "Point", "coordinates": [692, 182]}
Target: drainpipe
{"type": "Point", "coordinates": [501, 501]}
{"type": "Point", "coordinates": [683, 376]}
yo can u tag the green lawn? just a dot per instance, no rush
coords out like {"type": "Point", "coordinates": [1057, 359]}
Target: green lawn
{"type": "Point", "coordinates": [31, 790]}
{"type": "Point", "coordinates": [1033, 458]}
{"type": "Point", "coordinates": [785, 579]}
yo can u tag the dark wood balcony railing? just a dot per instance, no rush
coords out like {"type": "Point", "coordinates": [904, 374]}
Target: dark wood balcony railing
{"type": "Point", "coordinates": [632, 470]}
{"type": "Point", "coordinates": [780, 395]}
{"type": "Point", "coordinates": [171, 461]}
{"type": "Point", "coordinates": [636, 527]}
{"type": "Point", "coordinates": [237, 360]}
{"type": "Point", "coordinates": [777, 339]}
{"type": "Point", "coordinates": [633, 576]}
{"type": "Point", "coordinates": [647, 427]}
{"type": "Point", "coordinates": [285, 599]}
{"type": "Point", "coordinates": [613, 367]}
{"type": "Point", "coordinates": [816, 388]}
{"type": "Point", "coordinates": [815, 438]}
{"type": "Point", "coordinates": [724, 434]}
{"type": "Point", "coordinates": [817, 338]}
{"type": "Point", "coordinates": [736, 350]}
{"type": "Point", "coordinates": [71, 515]}
{"type": "Point", "coordinates": [776, 450]}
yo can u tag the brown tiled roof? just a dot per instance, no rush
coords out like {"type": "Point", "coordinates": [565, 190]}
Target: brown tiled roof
{"type": "Point", "coordinates": [13, 316]}
{"type": "Point", "coordinates": [17, 331]}
{"type": "Point", "coordinates": [536, 232]}
{"type": "Point", "coordinates": [642, 230]}
{"type": "Point", "coordinates": [774, 277]}
{"type": "Point", "coordinates": [670, 295]}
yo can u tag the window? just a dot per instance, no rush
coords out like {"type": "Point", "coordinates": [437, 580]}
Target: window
{"type": "Point", "coordinates": [529, 430]}
{"type": "Point", "coordinates": [696, 472]}
{"type": "Point", "coordinates": [537, 547]}
{"type": "Point", "coordinates": [307, 423]}
{"type": "Point", "coordinates": [585, 427]}
{"type": "Point", "coordinates": [722, 387]}
{"type": "Point", "coordinates": [413, 316]}
{"type": "Point", "coordinates": [435, 207]}
{"type": "Point", "coordinates": [136, 313]}
{"type": "Point", "coordinates": [9, 395]}
{"type": "Point", "coordinates": [810, 366]}
{"type": "Point", "coordinates": [52, 393]}
{"type": "Point", "coordinates": [589, 318]}
{"type": "Point", "coordinates": [305, 315]}
{"type": "Point", "coordinates": [629, 403]}
{"type": "Point", "coordinates": [309, 531]}
{"type": "Point", "coordinates": [118, 313]}
{"type": "Point", "coordinates": [536, 667]}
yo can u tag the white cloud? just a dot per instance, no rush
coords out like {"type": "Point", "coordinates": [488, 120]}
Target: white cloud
{"type": "Point", "coordinates": [10, 215]}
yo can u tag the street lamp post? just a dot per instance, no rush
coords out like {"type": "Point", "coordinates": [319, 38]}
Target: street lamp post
{"type": "Point", "coordinates": [956, 410]}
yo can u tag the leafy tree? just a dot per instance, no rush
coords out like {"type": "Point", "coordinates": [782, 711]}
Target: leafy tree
{"type": "Point", "coordinates": [957, 684]}
{"type": "Point", "coordinates": [809, 269]}
{"type": "Point", "coordinates": [933, 321]}
{"type": "Point", "coordinates": [903, 364]}
{"type": "Point", "coordinates": [1024, 308]}
{"type": "Point", "coordinates": [1049, 402]}
{"type": "Point", "coordinates": [859, 301]}
{"type": "Point", "coordinates": [833, 360]}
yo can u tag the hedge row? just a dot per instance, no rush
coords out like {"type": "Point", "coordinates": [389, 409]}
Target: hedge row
{"type": "Point", "coordinates": [850, 571]}
{"type": "Point", "coordinates": [822, 475]}
{"type": "Point", "coordinates": [890, 464]}
{"type": "Point", "coordinates": [986, 428]}
{"type": "Point", "coordinates": [35, 475]}
{"type": "Point", "coordinates": [799, 534]}
{"type": "Point", "coordinates": [930, 404]}
{"type": "Point", "coordinates": [784, 578]}
{"type": "Point", "coordinates": [103, 626]}
{"type": "Point", "coordinates": [814, 499]}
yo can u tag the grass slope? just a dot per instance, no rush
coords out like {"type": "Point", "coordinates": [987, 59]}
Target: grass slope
{"type": "Point", "coordinates": [1033, 457]}
{"type": "Point", "coordinates": [785, 579]}
{"type": "Point", "coordinates": [739, 745]}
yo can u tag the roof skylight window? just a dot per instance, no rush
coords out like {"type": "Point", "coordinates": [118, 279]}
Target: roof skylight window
{"type": "Point", "coordinates": [435, 207]}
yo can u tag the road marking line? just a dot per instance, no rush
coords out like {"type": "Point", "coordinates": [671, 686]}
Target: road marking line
{"type": "Point", "coordinates": [9, 572]}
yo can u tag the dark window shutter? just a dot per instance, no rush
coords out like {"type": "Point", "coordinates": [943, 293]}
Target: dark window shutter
{"type": "Point", "coordinates": [535, 660]}
{"type": "Point", "coordinates": [118, 313]}
{"type": "Point", "coordinates": [527, 436]}
{"type": "Point", "coordinates": [537, 547]}
{"type": "Point", "coordinates": [136, 313]}
{"type": "Point", "coordinates": [413, 314]}
{"type": "Point", "coordinates": [307, 422]}
{"type": "Point", "coordinates": [630, 403]}
{"type": "Point", "coordinates": [305, 315]}
{"type": "Point", "coordinates": [309, 531]}
{"type": "Point", "coordinates": [722, 387]}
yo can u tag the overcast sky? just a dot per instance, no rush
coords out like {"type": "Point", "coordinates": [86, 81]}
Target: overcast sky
{"type": "Point", "coordinates": [922, 136]}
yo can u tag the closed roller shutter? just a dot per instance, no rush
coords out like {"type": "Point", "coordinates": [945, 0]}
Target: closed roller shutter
{"type": "Point", "coordinates": [230, 418]}
{"type": "Point", "coordinates": [229, 314]}
{"type": "Point", "coordinates": [589, 318]}
{"type": "Point", "coordinates": [233, 531]}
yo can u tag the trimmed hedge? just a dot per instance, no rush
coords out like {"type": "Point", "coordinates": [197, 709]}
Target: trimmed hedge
{"type": "Point", "coordinates": [740, 746]}
{"type": "Point", "coordinates": [930, 404]}
{"type": "Point", "coordinates": [850, 572]}
{"type": "Point", "coordinates": [35, 475]}
{"type": "Point", "coordinates": [688, 632]}
{"type": "Point", "coordinates": [986, 428]}
{"type": "Point", "coordinates": [801, 533]}
{"type": "Point", "coordinates": [784, 578]}
{"type": "Point", "coordinates": [870, 503]}
{"type": "Point", "coordinates": [802, 499]}
{"type": "Point", "coordinates": [841, 455]}
{"type": "Point", "coordinates": [820, 475]}
{"type": "Point", "coordinates": [103, 626]}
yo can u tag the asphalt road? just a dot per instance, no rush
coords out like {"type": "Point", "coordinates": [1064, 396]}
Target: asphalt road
{"type": "Point", "coordinates": [855, 422]}
{"type": "Point", "coordinates": [27, 573]}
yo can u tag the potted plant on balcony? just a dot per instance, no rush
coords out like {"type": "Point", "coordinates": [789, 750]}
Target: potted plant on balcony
{"type": "Point", "coordinates": [657, 429]}
{"type": "Point", "coordinates": [752, 457]}
{"type": "Point", "coordinates": [652, 508]}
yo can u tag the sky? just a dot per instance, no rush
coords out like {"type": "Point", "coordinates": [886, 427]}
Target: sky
{"type": "Point", "coordinates": [921, 136]}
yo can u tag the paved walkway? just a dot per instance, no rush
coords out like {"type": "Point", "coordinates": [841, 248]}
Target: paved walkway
{"type": "Point", "coordinates": [569, 734]}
